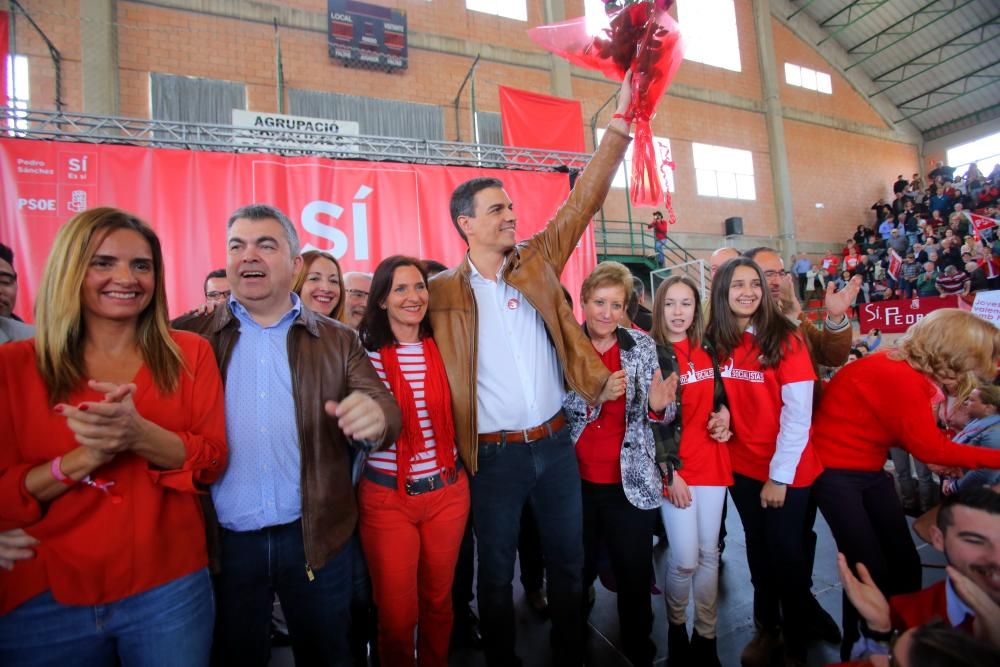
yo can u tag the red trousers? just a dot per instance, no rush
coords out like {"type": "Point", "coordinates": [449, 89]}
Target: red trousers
{"type": "Point", "coordinates": [411, 546]}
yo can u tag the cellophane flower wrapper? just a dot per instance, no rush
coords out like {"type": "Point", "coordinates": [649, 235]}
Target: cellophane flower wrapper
{"type": "Point", "coordinates": [641, 37]}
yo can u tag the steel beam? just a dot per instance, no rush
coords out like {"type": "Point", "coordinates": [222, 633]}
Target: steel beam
{"type": "Point", "coordinates": [938, 97]}
{"type": "Point", "coordinates": [801, 9]}
{"type": "Point", "coordinates": [864, 8]}
{"type": "Point", "coordinates": [971, 39]}
{"type": "Point", "coordinates": [93, 129]}
{"type": "Point", "coordinates": [905, 27]}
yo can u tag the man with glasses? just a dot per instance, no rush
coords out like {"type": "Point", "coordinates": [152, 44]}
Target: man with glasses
{"type": "Point", "coordinates": [217, 287]}
{"type": "Point", "coordinates": [356, 285]}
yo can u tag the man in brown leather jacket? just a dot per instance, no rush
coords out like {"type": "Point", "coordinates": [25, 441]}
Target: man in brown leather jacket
{"type": "Point", "coordinates": [299, 388]}
{"type": "Point", "coordinates": [511, 344]}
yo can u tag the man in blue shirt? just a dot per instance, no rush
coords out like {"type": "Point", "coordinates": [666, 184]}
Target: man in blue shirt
{"type": "Point", "coordinates": [800, 269]}
{"type": "Point", "coordinates": [299, 389]}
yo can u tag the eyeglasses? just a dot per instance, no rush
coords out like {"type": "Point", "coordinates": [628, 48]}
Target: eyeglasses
{"type": "Point", "coordinates": [218, 295]}
{"type": "Point", "coordinates": [775, 274]}
{"type": "Point", "coordinates": [357, 294]}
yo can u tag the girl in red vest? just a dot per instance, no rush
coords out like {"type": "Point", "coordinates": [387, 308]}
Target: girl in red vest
{"type": "Point", "coordinates": [769, 378]}
{"type": "Point", "coordinates": [696, 475]}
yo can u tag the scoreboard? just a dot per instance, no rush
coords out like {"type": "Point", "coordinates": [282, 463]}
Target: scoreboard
{"type": "Point", "coordinates": [364, 35]}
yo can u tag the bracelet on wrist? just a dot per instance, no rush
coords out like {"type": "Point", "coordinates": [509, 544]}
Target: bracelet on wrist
{"type": "Point", "coordinates": [777, 483]}
{"type": "Point", "coordinates": [55, 467]}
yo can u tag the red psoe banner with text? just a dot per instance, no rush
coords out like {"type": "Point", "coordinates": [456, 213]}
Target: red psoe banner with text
{"type": "Point", "coordinates": [361, 212]}
{"type": "Point", "coordinates": [898, 315]}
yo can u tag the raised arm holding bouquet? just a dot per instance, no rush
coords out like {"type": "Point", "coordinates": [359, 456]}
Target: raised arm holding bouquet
{"type": "Point", "coordinates": [641, 37]}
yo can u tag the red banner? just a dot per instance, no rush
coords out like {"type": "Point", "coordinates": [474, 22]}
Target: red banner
{"type": "Point", "coordinates": [895, 264]}
{"type": "Point", "coordinates": [359, 211]}
{"type": "Point", "coordinates": [533, 120]}
{"type": "Point", "coordinates": [900, 314]}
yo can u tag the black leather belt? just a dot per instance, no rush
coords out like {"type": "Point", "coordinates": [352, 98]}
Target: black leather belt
{"type": "Point", "coordinates": [414, 487]}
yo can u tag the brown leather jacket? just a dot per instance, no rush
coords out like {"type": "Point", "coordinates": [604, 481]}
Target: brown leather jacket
{"type": "Point", "coordinates": [826, 348]}
{"type": "Point", "coordinates": [327, 363]}
{"type": "Point", "coordinates": [533, 267]}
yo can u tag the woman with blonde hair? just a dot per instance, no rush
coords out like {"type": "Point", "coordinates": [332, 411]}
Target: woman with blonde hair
{"type": "Point", "coordinates": [885, 400]}
{"type": "Point", "coordinates": [320, 284]}
{"type": "Point", "coordinates": [616, 454]}
{"type": "Point", "coordinates": [113, 425]}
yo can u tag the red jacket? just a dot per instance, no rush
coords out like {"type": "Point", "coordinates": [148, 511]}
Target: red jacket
{"type": "Point", "coordinates": [910, 610]}
{"type": "Point", "coordinates": [877, 403]}
{"type": "Point", "coordinates": [92, 550]}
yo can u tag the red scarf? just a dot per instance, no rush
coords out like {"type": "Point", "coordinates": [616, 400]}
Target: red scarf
{"type": "Point", "coordinates": [437, 398]}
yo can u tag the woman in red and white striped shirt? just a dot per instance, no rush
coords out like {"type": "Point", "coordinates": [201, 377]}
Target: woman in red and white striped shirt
{"type": "Point", "coordinates": [413, 498]}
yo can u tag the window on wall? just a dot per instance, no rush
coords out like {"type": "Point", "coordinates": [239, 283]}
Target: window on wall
{"type": "Point", "coordinates": [984, 152]}
{"type": "Point", "coordinates": [662, 149]}
{"type": "Point", "coordinates": [18, 91]}
{"type": "Point", "coordinates": [188, 99]}
{"type": "Point", "coordinates": [724, 172]}
{"type": "Point", "coordinates": [710, 35]}
{"type": "Point", "coordinates": [488, 128]}
{"type": "Point", "coordinates": [380, 118]}
{"type": "Point", "coordinates": [511, 9]}
{"type": "Point", "coordinates": [807, 78]}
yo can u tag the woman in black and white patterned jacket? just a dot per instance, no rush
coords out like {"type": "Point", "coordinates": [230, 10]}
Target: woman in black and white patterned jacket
{"type": "Point", "coordinates": [621, 483]}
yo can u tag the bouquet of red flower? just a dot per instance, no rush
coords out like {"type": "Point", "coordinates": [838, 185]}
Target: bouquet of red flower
{"type": "Point", "coordinates": [641, 37]}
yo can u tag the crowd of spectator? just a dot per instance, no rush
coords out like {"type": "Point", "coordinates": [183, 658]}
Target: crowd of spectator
{"type": "Point", "coordinates": [927, 225]}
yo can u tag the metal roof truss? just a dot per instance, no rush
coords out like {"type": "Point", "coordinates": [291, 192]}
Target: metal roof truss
{"type": "Point", "coordinates": [86, 128]}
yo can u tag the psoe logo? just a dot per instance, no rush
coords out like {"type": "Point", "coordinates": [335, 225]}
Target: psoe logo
{"type": "Point", "coordinates": [314, 211]}
{"type": "Point", "coordinates": [77, 201]}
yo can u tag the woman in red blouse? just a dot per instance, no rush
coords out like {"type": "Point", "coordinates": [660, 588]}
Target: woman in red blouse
{"type": "Point", "coordinates": [695, 491]}
{"type": "Point", "coordinates": [887, 400]}
{"type": "Point", "coordinates": [413, 500]}
{"type": "Point", "coordinates": [769, 378]}
{"type": "Point", "coordinates": [620, 481]}
{"type": "Point", "coordinates": [105, 472]}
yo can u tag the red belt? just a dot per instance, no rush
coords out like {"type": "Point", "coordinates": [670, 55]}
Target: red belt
{"type": "Point", "coordinates": [545, 430]}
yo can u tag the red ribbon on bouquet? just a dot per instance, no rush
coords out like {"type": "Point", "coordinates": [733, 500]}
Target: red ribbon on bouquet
{"type": "Point", "coordinates": [641, 37]}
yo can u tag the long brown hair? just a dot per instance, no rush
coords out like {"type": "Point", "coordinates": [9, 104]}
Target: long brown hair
{"type": "Point", "coordinates": [308, 258]}
{"type": "Point", "coordinates": [59, 325]}
{"type": "Point", "coordinates": [696, 331]}
{"type": "Point", "coordinates": [772, 329]}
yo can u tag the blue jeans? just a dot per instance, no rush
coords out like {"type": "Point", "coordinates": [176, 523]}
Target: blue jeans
{"type": "Point", "coordinates": [257, 564]}
{"type": "Point", "coordinates": [661, 257]}
{"type": "Point", "coordinates": [166, 626]}
{"type": "Point", "coordinates": [545, 474]}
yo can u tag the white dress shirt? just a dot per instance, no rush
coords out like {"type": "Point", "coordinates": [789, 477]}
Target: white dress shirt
{"type": "Point", "coordinates": [519, 382]}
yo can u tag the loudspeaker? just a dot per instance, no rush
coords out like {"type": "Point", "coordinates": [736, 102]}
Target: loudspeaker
{"type": "Point", "coordinates": [734, 226]}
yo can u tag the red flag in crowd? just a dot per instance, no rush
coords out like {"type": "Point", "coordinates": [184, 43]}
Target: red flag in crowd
{"type": "Point", "coordinates": [980, 223]}
{"type": "Point", "coordinates": [895, 261]}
